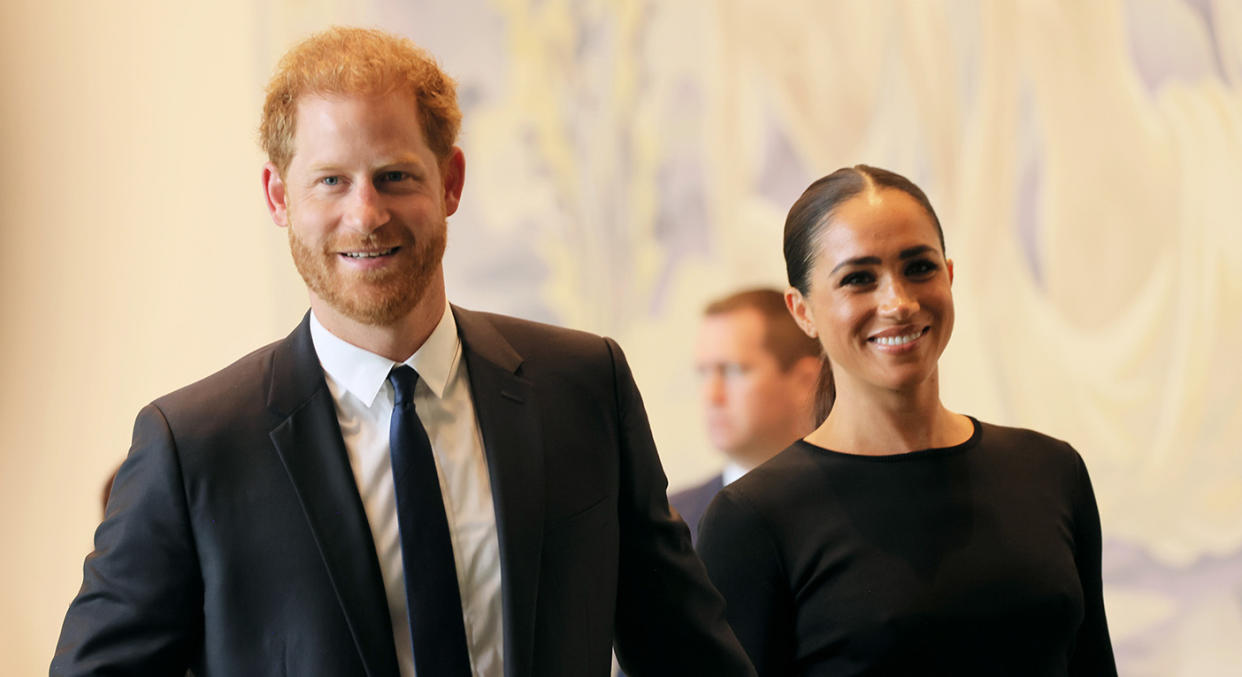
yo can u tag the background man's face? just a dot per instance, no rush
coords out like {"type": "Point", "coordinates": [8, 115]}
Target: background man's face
{"type": "Point", "coordinates": [749, 402]}
{"type": "Point", "coordinates": [366, 205]}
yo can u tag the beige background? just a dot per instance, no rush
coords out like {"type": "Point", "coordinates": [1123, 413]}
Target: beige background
{"type": "Point", "coordinates": [137, 256]}
{"type": "Point", "coordinates": [1090, 205]}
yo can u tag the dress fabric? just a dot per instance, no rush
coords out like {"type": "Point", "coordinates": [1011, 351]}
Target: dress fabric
{"type": "Point", "coordinates": [977, 559]}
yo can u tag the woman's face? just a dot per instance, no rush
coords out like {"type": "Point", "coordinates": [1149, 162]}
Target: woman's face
{"type": "Point", "coordinates": [879, 297]}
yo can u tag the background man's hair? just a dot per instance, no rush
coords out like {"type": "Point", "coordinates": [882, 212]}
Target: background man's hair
{"type": "Point", "coordinates": [781, 335]}
{"type": "Point", "coordinates": [357, 61]}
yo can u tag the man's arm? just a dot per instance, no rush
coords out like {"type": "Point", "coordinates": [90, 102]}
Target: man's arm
{"type": "Point", "coordinates": [139, 611]}
{"type": "Point", "coordinates": [670, 620]}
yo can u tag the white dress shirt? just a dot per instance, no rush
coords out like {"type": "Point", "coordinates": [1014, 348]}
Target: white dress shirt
{"type": "Point", "coordinates": [358, 381]}
{"type": "Point", "coordinates": [732, 472]}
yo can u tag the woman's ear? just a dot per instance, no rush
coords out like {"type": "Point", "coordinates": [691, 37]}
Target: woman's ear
{"type": "Point", "coordinates": [801, 312]}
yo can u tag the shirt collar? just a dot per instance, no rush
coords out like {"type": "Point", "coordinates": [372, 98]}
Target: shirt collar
{"type": "Point", "coordinates": [363, 373]}
{"type": "Point", "coordinates": [732, 472]}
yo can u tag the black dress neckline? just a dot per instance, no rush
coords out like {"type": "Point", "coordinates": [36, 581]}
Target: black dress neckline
{"type": "Point", "coordinates": [900, 457]}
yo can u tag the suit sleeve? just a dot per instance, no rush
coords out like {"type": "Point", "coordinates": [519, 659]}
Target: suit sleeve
{"type": "Point", "coordinates": [139, 611]}
{"type": "Point", "coordinates": [1093, 650]}
{"type": "Point", "coordinates": [670, 620]}
{"type": "Point", "coordinates": [746, 567]}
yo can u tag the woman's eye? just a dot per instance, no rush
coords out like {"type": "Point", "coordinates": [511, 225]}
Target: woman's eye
{"type": "Point", "coordinates": [921, 267]}
{"type": "Point", "coordinates": [857, 279]}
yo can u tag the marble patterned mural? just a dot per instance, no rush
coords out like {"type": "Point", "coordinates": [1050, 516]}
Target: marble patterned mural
{"type": "Point", "coordinates": [629, 160]}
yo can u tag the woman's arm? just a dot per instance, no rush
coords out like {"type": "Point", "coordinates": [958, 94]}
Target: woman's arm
{"type": "Point", "coordinates": [1093, 650]}
{"type": "Point", "coordinates": [744, 563]}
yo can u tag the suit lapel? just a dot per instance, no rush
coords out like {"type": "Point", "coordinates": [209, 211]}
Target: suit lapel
{"type": "Point", "coordinates": [508, 420]}
{"type": "Point", "coordinates": [308, 440]}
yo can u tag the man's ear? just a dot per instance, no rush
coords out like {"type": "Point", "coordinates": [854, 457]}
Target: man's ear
{"type": "Point", "coordinates": [274, 191]}
{"type": "Point", "coordinates": [453, 171]}
{"type": "Point", "coordinates": [801, 313]}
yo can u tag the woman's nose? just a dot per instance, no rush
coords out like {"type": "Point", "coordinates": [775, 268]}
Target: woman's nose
{"type": "Point", "coordinates": [898, 302]}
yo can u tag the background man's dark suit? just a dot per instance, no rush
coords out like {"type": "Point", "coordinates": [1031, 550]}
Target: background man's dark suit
{"type": "Point", "coordinates": [691, 503]}
{"type": "Point", "coordinates": [236, 542]}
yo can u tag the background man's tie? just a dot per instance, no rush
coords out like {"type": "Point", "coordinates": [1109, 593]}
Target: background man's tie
{"type": "Point", "coordinates": [431, 593]}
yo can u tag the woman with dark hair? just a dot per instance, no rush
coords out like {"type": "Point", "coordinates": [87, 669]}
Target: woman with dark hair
{"type": "Point", "coordinates": [901, 538]}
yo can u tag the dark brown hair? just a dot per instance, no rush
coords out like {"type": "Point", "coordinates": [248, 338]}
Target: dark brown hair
{"type": "Point", "coordinates": [810, 214]}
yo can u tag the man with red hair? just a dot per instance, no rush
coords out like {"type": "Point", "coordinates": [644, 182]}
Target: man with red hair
{"type": "Point", "coordinates": [400, 486]}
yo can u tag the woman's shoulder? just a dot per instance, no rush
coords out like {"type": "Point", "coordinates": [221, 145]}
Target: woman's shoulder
{"type": "Point", "coordinates": [995, 435]}
{"type": "Point", "coordinates": [755, 512]}
{"type": "Point", "coordinates": [1028, 446]}
{"type": "Point", "coordinates": [775, 478]}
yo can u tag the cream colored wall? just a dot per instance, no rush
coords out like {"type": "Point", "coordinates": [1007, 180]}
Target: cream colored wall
{"type": "Point", "coordinates": [137, 257]}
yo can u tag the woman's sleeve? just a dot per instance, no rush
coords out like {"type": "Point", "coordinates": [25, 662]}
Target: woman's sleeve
{"type": "Point", "coordinates": [1093, 651]}
{"type": "Point", "coordinates": [744, 563]}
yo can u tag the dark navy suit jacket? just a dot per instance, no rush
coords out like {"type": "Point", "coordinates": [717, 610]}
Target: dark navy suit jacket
{"type": "Point", "coordinates": [235, 541]}
{"type": "Point", "coordinates": [692, 503]}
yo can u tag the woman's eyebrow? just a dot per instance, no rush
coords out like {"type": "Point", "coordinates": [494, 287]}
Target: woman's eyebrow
{"type": "Point", "coordinates": [875, 260]}
{"type": "Point", "coordinates": [914, 251]}
{"type": "Point", "coordinates": [858, 261]}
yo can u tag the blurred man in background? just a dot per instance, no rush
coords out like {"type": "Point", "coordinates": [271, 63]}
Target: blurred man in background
{"type": "Point", "coordinates": [758, 373]}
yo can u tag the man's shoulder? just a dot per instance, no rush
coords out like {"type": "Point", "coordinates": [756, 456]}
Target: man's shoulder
{"type": "Point", "coordinates": [243, 384]}
{"type": "Point", "coordinates": [531, 340]}
{"type": "Point", "coordinates": [520, 329]}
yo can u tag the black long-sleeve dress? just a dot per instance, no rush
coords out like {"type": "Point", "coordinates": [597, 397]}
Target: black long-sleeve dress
{"type": "Point", "coordinates": [977, 559]}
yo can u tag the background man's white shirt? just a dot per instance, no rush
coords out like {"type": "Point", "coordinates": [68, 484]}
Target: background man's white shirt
{"type": "Point", "coordinates": [732, 472]}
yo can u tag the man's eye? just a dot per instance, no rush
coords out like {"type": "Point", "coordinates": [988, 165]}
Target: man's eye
{"type": "Point", "coordinates": [393, 176]}
{"type": "Point", "coordinates": [330, 180]}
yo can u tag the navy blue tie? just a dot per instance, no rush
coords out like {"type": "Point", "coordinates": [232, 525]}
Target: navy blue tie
{"type": "Point", "coordinates": [432, 598]}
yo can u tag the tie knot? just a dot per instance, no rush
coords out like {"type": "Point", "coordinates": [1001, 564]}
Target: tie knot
{"type": "Point", "coordinates": [403, 380]}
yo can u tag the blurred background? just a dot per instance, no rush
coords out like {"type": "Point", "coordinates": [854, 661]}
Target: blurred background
{"type": "Point", "coordinates": [628, 161]}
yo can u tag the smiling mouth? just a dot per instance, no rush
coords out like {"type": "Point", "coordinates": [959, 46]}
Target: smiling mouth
{"type": "Point", "coordinates": [370, 255]}
{"type": "Point", "coordinates": [899, 340]}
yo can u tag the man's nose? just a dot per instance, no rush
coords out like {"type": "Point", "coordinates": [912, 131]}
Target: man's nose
{"type": "Point", "coordinates": [366, 210]}
{"type": "Point", "coordinates": [713, 389]}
